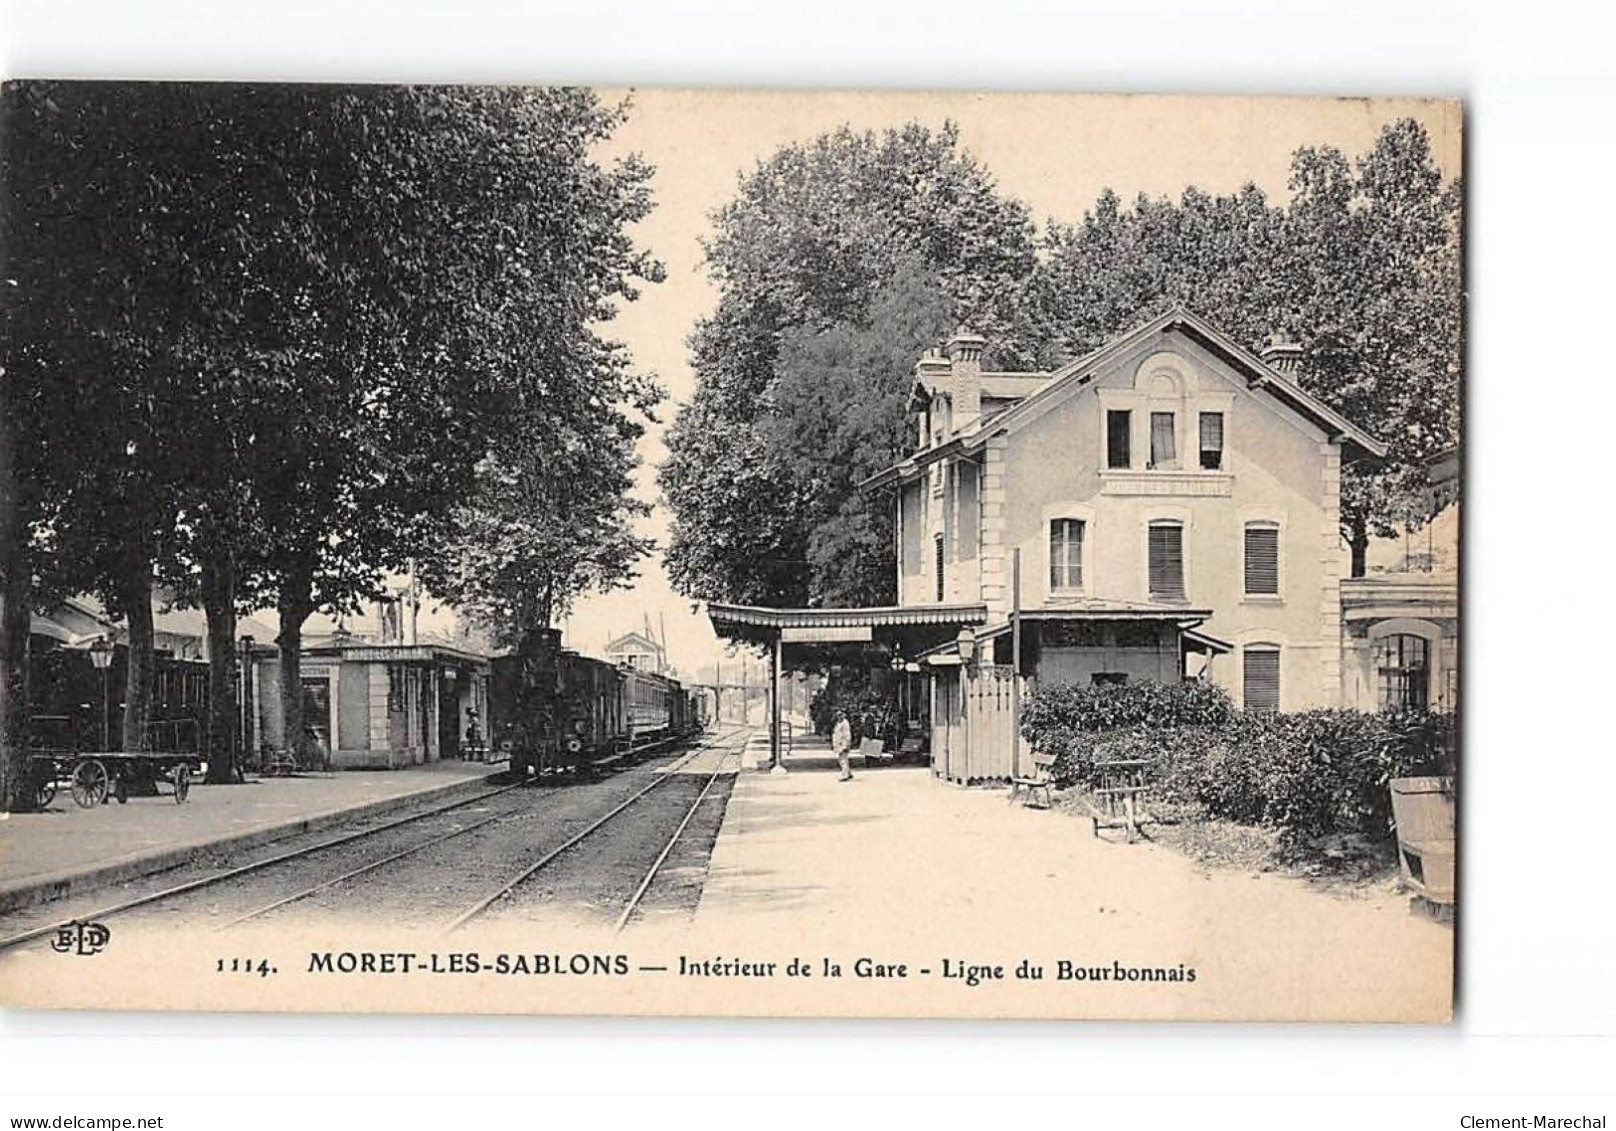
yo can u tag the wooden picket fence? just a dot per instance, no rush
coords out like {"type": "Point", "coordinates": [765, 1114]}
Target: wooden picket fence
{"type": "Point", "coordinates": [975, 742]}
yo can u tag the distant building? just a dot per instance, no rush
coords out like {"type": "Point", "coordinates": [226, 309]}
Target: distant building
{"type": "Point", "coordinates": [638, 650]}
{"type": "Point", "coordinates": [386, 697]}
{"type": "Point", "coordinates": [1400, 621]}
{"type": "Point", "coordinates": [182, 634]}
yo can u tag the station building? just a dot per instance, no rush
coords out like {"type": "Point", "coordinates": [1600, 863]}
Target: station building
{"type": "Point", "coordinates": [1166, 507]}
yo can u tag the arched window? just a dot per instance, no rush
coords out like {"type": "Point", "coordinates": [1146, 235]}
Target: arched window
{"type": "Point", "coordinates": [1403, 671]}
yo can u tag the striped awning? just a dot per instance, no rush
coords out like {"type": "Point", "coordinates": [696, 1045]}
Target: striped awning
{"type": "Point", "coordinates": [890, 616]}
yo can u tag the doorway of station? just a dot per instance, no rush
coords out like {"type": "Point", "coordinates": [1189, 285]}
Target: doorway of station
{"type": "Point", "coordinates": [450, 682]}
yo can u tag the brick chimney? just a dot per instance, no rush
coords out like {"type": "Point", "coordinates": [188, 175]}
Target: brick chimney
{"type": "Point", "coordinates": [1283, 355]}
{"type": "Point", "coordinates": [932, 372]}
{"type": "Point", "coordinates": [965, 363]}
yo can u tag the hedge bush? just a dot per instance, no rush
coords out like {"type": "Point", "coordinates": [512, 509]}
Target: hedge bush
{"type": "Point", "coordinates": [1062, 718]}
{"type": "Point", "coordinates": [1309, 773]}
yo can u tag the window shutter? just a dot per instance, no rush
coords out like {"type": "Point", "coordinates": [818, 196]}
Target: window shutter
{"type": "Point", "coordinates": [939, 544]}
{"type": "Point", "coordinates": [1074, 553]}
{"type": "Point", "coordinates": [1211, 440]}
{"type": "Point", "coordinates": [1262, 560]}
{"type": "Point", "coordinates": [1262, 679]}
{"type": "Point", "coordinates": [1166, 560]}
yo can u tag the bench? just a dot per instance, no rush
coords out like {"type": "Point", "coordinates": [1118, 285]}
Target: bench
{"type": "Point", "coordinates": [1041, 778]}
{"type": "Point", "coordinates": [277, 762]}
{"type": "Point", "coordinates": [1121, 786]}
{"type": "Point", "coordinates": [870, 749]}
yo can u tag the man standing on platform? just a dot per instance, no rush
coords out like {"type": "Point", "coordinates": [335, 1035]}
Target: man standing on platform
{"type": "Point", "coordinates": [841, 741]}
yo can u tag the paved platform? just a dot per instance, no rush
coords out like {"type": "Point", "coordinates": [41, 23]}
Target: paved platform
{"type": "Point", "coordinates": [803, 752]}
{"type": "Point", "coordinates": [65, 849]}
{"type": "Point", "coordinates": [896, 862]}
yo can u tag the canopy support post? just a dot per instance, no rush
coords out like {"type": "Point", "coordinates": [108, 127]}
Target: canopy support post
{"type": "Point", "coordinates": [1015, 662]}
{"type": "Point", "coordinates": [777, 755]}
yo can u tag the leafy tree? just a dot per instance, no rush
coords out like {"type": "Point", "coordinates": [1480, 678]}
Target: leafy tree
{"type": "Point", "coordinates": [813, 238]}
{"type": "Point", "coordinates": [315, 310]}
{"type": "Point", "coordinates": [1373, 280]}
{"type": "Point", "coordinates": [88, 481]}
{"type": "Point", "coordinates": [477, 242]}
{"type": "Point", "coordinates": [837, 414]}
{"type": "Point", "coordinates": [1118, 268]}
{"type": "Point", "coordinates": [552, 518]}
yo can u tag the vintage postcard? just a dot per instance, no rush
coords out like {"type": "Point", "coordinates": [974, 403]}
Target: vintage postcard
{"type": "Point", "coordinates": [729, 552]}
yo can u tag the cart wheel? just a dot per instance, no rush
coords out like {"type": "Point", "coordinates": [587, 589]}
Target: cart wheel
{"type": "Point", "coordinates": [182, 783]}
{"type": "Point", "coordinates": [44, 792]}
{"type": "Point", "coordinates": [120, 790]}
{"type": "Point", "coordinates": [89, 784]}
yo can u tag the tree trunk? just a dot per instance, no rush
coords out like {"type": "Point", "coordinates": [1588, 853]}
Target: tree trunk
{"type": "Point", "coordinates": [16, 782]}
{"type": "Point", "coordinates": [1358, 539]}
{"type": "Point", "coordinates": [135, 602]}
{"type": "Point", "coordinates": [219, 603]}
{"type": "Point", "coordinates": [294, 607]}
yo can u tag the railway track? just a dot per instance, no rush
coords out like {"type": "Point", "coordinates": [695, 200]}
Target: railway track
{"type": "Point", "coordinates": [508, 888]}
{"type": "Point", "coordinates": [651, 874]}
{"type": "Point", "coordinates": [180, 890]}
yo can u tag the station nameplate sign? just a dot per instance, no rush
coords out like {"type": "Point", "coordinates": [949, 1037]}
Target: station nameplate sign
{"type": "Point", "coordinates": [825, 634]}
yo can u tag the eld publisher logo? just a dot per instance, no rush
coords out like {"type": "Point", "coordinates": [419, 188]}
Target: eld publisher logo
{"type": "Point", "coordinates": [81, 938]}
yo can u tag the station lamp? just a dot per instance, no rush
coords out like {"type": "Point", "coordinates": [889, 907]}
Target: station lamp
{"type": "Point", "coordinates": [101, 657]}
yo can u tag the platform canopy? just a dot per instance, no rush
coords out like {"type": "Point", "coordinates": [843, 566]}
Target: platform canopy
{"type": "Point", "coordinates": [907, 628]}
{"type": "Point", "coordinates": [903, 629]}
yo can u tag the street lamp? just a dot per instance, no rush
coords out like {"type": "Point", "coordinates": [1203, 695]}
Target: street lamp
{"type": "Point", "coordinates": [101, 657]}
{"type": "Point", "coordinates": [966, 643]}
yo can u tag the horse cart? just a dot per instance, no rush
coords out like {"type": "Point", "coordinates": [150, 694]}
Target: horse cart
{"type": "Point", "coordinates": [94, 777]}
{"type": "Point", "coordinates": [57, 758]}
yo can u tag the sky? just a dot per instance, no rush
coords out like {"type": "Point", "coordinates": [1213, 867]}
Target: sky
{"type": "Point", "coordinates": [1054, 152]}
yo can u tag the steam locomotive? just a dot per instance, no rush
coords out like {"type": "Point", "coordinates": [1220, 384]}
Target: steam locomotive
{"type": "Point", "coordinates": [554, 711]}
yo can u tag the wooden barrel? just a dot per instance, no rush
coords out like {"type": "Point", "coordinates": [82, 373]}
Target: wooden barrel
{"type": "Point", "coordinates": [1423, 809]}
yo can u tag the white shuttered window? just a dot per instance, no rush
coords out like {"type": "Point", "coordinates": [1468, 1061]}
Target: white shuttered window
{"type": "Point", "coordinates": [1262, 559]}
{"type": "Point", "coordinates": [1166, 560]}
{"type": "Point", "coordinates": [1261, 679]}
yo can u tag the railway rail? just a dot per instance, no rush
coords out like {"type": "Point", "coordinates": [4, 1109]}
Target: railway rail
{"type": "Point", "coordinates": [633, 904]}
{"type": "Point", "coordinates": [188, 887]}
{"type": "Point", "coordinates": [529, 871]}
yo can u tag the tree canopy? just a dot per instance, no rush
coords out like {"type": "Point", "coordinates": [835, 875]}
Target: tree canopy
{"type": "Point", "coordinates": [286, 330]}
{"type": "Point", "coordinates": [804, 257]}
